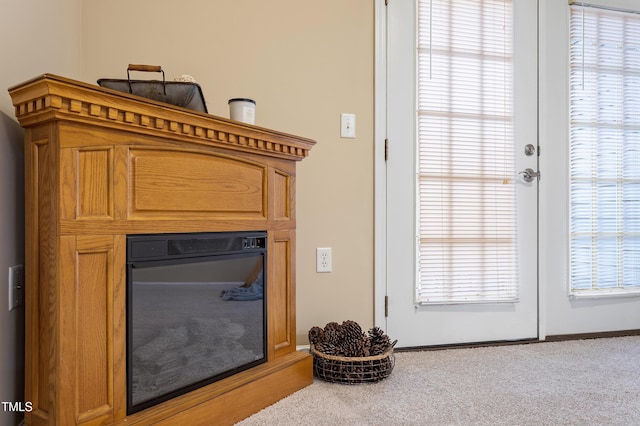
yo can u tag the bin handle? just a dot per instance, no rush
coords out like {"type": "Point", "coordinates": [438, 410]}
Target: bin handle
{"type": "Point", "coordinates": [146, 68]}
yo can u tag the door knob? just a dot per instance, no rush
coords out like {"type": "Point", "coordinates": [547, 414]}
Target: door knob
{"type": "Point", "coordinates": [528, 175]}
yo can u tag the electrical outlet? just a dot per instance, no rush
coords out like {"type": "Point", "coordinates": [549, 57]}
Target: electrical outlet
{"type": "Point", "coordinates": [16, 286]}
{"type": "Point", "coordinates": [323, 259]}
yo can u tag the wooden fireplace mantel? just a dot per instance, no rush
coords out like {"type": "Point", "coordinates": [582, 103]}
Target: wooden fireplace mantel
{"type": "Point", "coordinates": [101, 164]}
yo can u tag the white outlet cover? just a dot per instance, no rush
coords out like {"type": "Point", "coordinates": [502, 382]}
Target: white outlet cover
{"type": "Point", "coordinates": [323, 259]}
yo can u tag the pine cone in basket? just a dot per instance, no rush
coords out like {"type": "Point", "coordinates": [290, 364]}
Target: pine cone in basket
{"type": "Point", "coordinates": [333, 333]}
{"type": "Point", "coordinates": [351, 328]}
{"type": "Point", "coordinates": [316, 335]}
{"type": "Point", "coordinates": [355, 348]}
{"type": "Point", "coordinates": [379, 341]}
{"type": "Point", "coordinates": [328, 348]}
{"type": "Point", "coordinates": [352, 331]}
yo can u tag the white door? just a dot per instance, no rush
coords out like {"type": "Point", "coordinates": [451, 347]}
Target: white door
{"type": "Point", "coordinates": [458, 276]}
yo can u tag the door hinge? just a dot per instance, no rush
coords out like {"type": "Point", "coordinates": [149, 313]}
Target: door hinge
{"type": "Point", "coordinates": [386, 149]}
{"type": "Point", "coordinates": [386, 2]}
{"type": "Point", "coordinates": [386, 306]}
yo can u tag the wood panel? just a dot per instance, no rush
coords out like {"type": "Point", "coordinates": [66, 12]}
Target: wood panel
{"type": "Point", "coordinates": [87, 183]}
{"type": "Point", "coordinates": [281, 195]}
{"type": "Point", "coordinates": [280, 292]}
{"type": "Point", "coordinates": [163, 181]}
{"type": "Point", "coordinates": [87, 337]}
{"type": "Point", "coordinates": [119, 327]}
{"type": "Point", "coordinates": [46, 295]}
{"type": "Point", "coordinates": [95, 182]}
{"type": "Point", "coordinates": [94, 293]}
{"type": "Point", "coordinates": [40, 246]}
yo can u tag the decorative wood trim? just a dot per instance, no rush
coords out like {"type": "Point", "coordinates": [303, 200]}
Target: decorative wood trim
{"type": "Point", "coordinates": [55, 96]}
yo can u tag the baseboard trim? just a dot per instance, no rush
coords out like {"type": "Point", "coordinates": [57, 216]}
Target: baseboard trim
{"type": "Point", "coordinates": [466, 345]}
{"type": "Point", "coordinates": [551, 338]}
{"type": "Point", "coordinates": [584, 336]}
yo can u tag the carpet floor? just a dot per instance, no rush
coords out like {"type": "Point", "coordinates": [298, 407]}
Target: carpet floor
{"type": "Point", "coordinates": [579, 382]}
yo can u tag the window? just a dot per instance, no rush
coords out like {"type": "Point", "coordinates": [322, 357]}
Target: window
{"type": "Point", "coordinates": [604, 151]}
{"type": "Point", "coordinates": [466, 194]}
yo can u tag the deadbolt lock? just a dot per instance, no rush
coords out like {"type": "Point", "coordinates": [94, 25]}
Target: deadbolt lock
{"type": "Point", "coordinates": [529, 150]}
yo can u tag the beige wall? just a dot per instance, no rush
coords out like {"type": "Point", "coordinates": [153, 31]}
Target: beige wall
{"type": "Point", "coordinates": [304, 62]}
{"type": "Point", "coordinates": [36, 36]}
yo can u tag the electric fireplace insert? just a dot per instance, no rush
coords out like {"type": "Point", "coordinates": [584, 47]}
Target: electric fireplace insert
{"type": "Point", "coordinates": [196, 311]}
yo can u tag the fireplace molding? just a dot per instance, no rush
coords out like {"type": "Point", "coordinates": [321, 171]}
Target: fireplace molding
{"type": "Point", "coordinates": [101, 164]}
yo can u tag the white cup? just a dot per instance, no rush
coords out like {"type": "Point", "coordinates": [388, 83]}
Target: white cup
{"type": "Point", "coordinates": [243, 109]}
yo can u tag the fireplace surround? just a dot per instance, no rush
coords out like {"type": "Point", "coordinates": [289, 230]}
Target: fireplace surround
{"type": "Point", "coordinates": [101, 166]}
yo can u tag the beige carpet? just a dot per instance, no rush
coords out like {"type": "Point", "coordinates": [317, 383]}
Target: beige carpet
{"type": "Point", "coordinates": [583, 382]}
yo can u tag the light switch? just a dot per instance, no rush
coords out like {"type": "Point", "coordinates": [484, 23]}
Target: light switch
{"type": "Point", "coordinates": [348, 126]}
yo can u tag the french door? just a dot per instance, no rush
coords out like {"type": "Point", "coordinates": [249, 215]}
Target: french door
{"type": "Point", "coordinates": [461, 185]}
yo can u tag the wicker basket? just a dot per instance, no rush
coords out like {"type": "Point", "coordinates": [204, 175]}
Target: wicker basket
{"type": "Point", "coordinates": [351, 370]}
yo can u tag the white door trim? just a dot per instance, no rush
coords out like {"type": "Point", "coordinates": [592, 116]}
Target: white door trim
{"type": "Point", "coordinates": [380, 168]}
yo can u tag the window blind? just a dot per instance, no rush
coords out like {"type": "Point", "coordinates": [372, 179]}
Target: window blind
{"type": "Point", "coordinates": [466, 194]}
{"type": "Point", "coordinates": [604, 151]}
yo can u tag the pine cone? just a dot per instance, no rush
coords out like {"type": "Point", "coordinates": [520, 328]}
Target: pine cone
{"type": "Point", "coordinates": [352, 331]}
{"type": "Point", "coordinates": [379, 341]}
{"type": "Point", "coordinates": [316, 335]}
{"type": "Point", "coordinates": [327, 348]}
{"type": "Point", "coordinates": [355, 348]}
{"type": "Point", "coordinates": [376, 332]}
{"type": "Point", "coordinates": [351, 327]}
{"type": "Point", "coordinates": [333, 333]}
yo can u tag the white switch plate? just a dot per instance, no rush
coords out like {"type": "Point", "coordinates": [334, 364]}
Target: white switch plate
{"type": "Point", "coordinates": [323, 259]}
{"type": "Point", "coordinates": [348, 126]}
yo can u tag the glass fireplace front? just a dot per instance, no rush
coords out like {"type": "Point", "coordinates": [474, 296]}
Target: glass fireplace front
{"type": "Point", "coordinates": [196, 311]}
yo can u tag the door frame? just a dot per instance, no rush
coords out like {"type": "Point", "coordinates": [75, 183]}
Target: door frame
{"type": "Point", "coordinates": [380, 168]}
{"type": "Point", "coordinates": [380, 178]}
